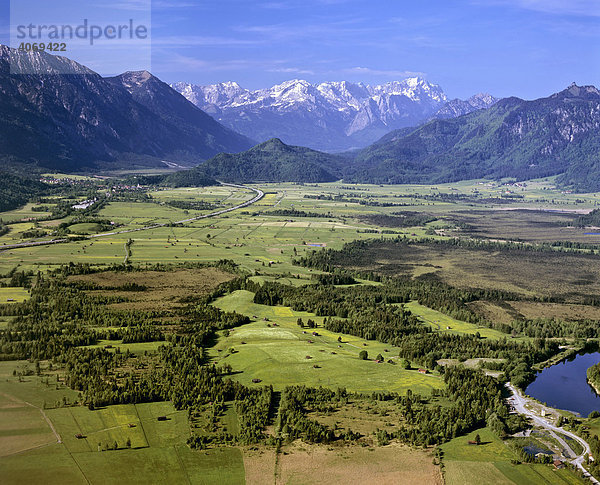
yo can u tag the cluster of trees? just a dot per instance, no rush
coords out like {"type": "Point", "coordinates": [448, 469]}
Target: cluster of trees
{"type": "Point", "coordinates": [334, 279]}
{"type": "Point", "coordinates": [368, 312]}
{"type": "Point", "coordinates": [553, 327]}
{"type": "Point", "coordinates": [473, 395]}
{"type": "Point", "coordinates": [253, 414]}
{"type": "Point", "coordinates": [17, 190]}
{"type": "Point", "coordinates": [594, 466]}
{"type": "Point", "coordinates": [297, 213]}
{"type": "Point", "coordinates": [475, 401]}
{"type": "Point", "coordinates": [519, 358]}
{"type": "Point", "coordinates": [293, 422]}
{"type": "Point", "coordinates": [367, 200]}
{"type": "Point", "coordinates": [46, 326]}
{"type": "Point", "coordinates": [587, 220]}
{"type": "Point", "coordinates": [94, 373]}
{"type": "Point", "coordinates": [17, 278]}
{"type": "Point", "coordinates": [198, 205]}
{"type": "Point", "coordinates": [593, 375]}
{"type": "Point", "coordinates": [400, 219]}
{"type": "Point", "coordinates": [142, 333]}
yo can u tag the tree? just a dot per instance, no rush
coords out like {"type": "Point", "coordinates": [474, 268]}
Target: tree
{"type": "Point", "coordinates": [128, 443]}
{"type": "Point", "coordinates": [363, 355]}
{"type": "Point", "coordinates": [405, 364]}
{"type": "Point", "coordinates": [478, 439]}
{"type": "Point", "coordinates": [379, 358]}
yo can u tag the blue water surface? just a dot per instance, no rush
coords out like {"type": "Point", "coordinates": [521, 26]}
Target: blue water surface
{"type": "Point", "coordinates": [564, 385]}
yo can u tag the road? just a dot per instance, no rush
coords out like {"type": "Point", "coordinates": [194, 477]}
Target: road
{"type": "Point", "coordinates": [518, 401]}
{"type": "Point", "coordinates": [259, 195]}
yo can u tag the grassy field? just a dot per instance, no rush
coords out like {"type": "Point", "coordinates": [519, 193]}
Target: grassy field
{"type": "Point", "coordinates": [443, 323]}
{"type": "Point", "coordinates": [490, 463]}
{"type": "Point", "coordinates": [264, 244]}
{"type": "Point", "coordinates": [23, 213]}
{"type": "Point", "coordinates": [8, 294]}
{"type": "Point", "coordinates": [254, 236]}
{"type": "Point", "coordinates": [30, 451]}
{"type": "Point", "coordinates": [278, 355]}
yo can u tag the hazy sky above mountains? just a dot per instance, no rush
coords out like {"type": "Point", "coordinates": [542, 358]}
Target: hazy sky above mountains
{"type": "Point", "coordinates": [526, 48]}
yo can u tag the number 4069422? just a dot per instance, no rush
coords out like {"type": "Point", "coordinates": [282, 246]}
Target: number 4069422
{"type": "Point", "coordinates": [41, 46]}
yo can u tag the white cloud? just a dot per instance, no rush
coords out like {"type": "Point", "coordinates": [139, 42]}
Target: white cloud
{"type": "Point", "coordinates": [326, 31]}
{"type": "Point", "coordinates": [197, 40]}
{"type": "Point", "coordinates": [383, 72]}
{"type": "Point", "coordinates": [292, 70]}
{"type": "Point", "coordinates": [176, 62]}
{"type": "Point", "coordinates": [585, 8]}
{"type": "Point", "coordinates": [146, 4]}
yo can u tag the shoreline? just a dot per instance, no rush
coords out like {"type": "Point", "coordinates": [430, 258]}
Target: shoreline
{"type": "Point", "coordinates": [595, 387]}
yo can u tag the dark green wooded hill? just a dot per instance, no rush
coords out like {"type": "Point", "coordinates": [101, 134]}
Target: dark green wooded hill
{"type": "Point", "coordinates": [556, 135]}
{"type": "Point", "coordinates": [272, 161]}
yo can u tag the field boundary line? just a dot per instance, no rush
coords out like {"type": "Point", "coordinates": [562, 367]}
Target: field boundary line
{"type": "Point", "coordinates": [141, 425]}
{"type": "Point", "coordinates": [183, 469]}
{"type": "Point", "coordinates": [259, 195]}
{"type": "Point", "coordinates": [58, 439]}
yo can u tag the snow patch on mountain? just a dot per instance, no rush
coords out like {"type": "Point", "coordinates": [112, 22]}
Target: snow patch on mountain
{"type": "Point", "coordinates": [335, 115]}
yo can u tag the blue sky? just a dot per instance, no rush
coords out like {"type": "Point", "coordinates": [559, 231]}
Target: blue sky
{"type": "Point", "coordinates": [525, 48]}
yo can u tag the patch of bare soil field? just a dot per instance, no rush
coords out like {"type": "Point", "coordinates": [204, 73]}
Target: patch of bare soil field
{"type": "Point", "coordinates": [533, 310]}
{"type": "Point", "coordinates": [362, 417]}
{"type": "Point", "coordinates": [163, 289]}
{"type": "Point", "coordinates": [495, 312]}
{"type": "Point", "coordinates": [524, 225]}
{"type": "Point", "coordinates": [301, 464]}
{"type": "Point", "coordinates": [507, 312]}
{"type": "Point", "coordinates": [259, 466]}
{"type": "Point", "coordinates": [572, 276]}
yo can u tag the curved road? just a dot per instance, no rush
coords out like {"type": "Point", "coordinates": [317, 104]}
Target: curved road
{"type": "Point", "coordinates": [259, 195]}
{"type": "Point", "coordinates": [519, 402]}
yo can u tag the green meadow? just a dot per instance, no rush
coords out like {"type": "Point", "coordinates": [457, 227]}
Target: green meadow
{"type": "Point", "coordinates": [443, 323]}
{"type": "Point", "coordinates": [254, 237]}
{"type": "Point", "coordinates": [490, 464]}
{"type": "Point", "coordinates": [283, 355]}
{"type": "Point", "coordinates": [273, 348]}
{"type": "Point", "coordinates": [16, 294]}
{"type": "Point", "coordinates": [30, 451]}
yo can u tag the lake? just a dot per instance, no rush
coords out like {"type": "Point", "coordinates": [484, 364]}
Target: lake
{"type": "Point", "coordinates": [564, 385]}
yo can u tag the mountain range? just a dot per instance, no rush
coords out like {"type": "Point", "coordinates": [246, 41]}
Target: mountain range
{"type": "Point", "coordinates": [70, 122]}
{"type": "Point", "coordinates": [556, 135]}
{"type": "Point", "coordinates": [330, 116]}
{"type": "Point", "coordinates": [84, 122]}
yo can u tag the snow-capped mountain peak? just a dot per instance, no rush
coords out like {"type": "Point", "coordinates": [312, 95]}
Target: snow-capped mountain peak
{"type": "Point", "coordinates": [333, 115]}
